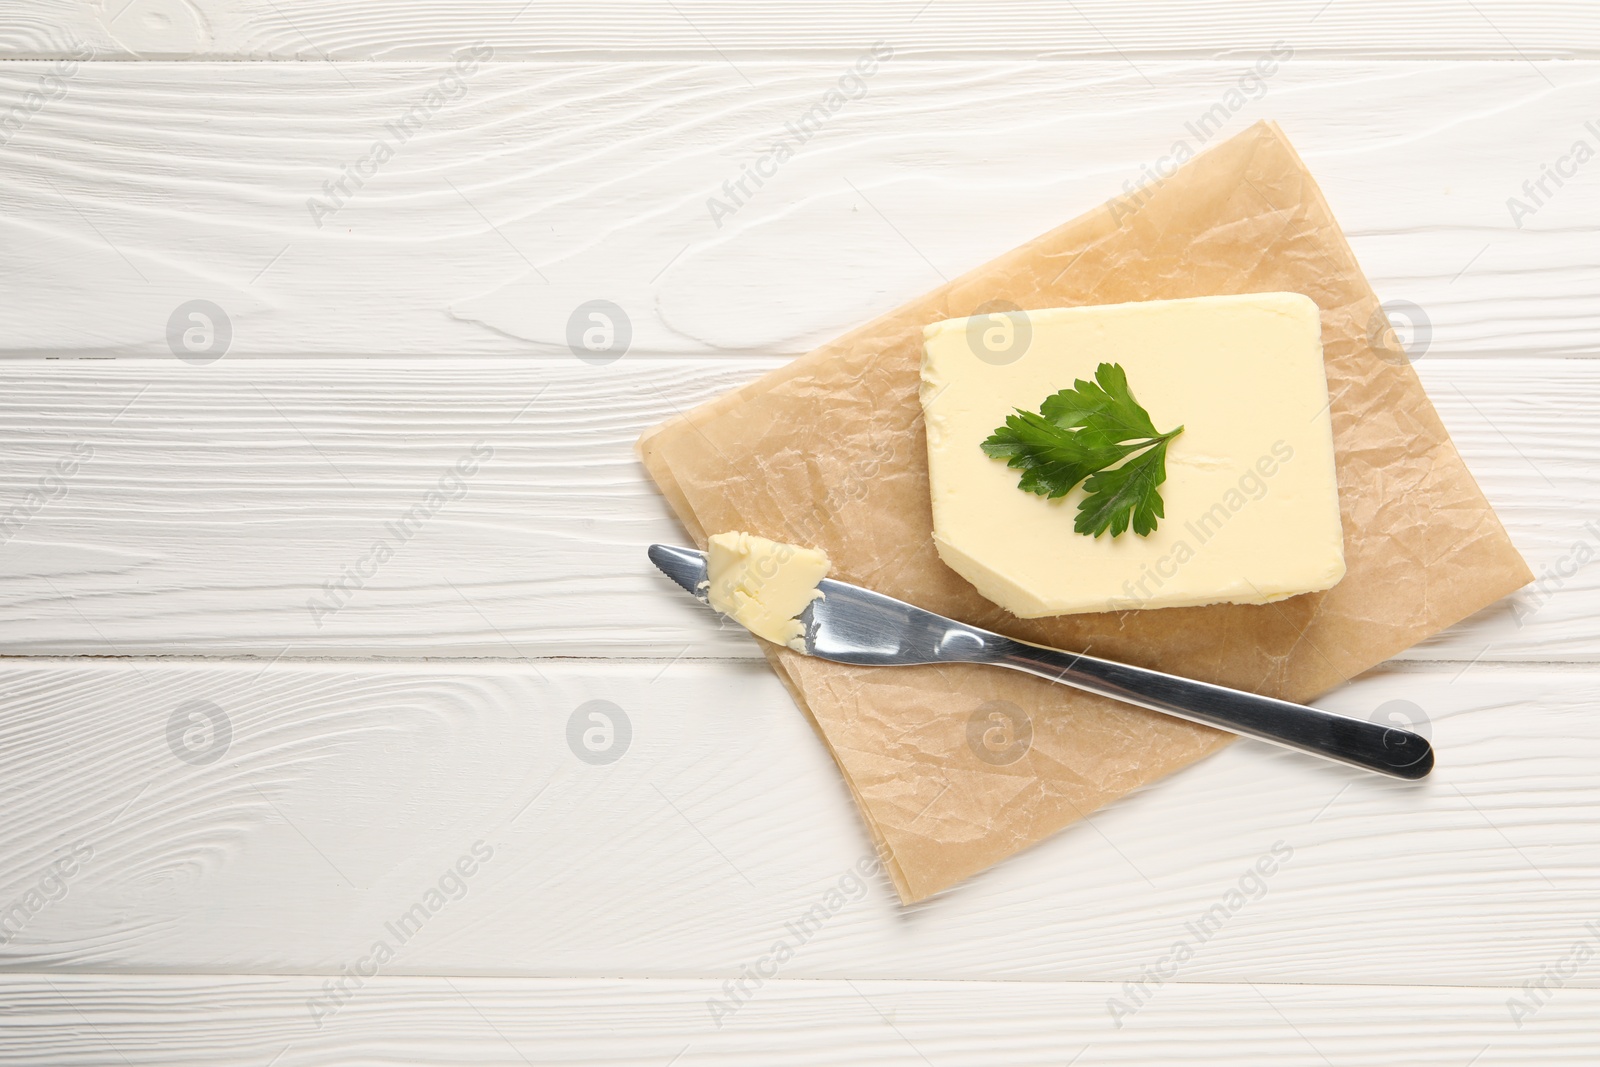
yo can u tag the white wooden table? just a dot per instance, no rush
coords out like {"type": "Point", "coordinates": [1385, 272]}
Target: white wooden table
{"type": "Point", "coordinates": [219, 801]}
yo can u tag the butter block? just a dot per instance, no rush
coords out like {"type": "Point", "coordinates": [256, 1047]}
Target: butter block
{"type": "Point", "coordinates": [1251, 496]}
{"type": "Point", "coordinates": [764, 585]}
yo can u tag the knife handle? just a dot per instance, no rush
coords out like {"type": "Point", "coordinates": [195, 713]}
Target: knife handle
{"type": "Point", "coordinates": [1369, 745]}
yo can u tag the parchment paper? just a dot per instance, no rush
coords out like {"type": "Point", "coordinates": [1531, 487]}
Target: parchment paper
{"type": "Point", "coordinates": [829, 451]}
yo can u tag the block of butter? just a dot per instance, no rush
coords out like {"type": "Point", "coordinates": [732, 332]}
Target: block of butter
{"type": "Point", "coordinates": [1251, 496]}
{"type": "Point", "coordinates": [764, 585]}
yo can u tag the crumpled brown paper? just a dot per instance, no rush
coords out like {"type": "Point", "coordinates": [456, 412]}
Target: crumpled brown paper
{"type": "Point", "coordinates": [829, 451]}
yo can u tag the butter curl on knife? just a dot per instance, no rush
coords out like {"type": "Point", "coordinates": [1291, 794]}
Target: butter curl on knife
{"type": "Point", "coordinates": [764, 585]}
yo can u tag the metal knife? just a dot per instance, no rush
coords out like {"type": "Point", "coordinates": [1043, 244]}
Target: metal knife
{"type": "Point", "coordinates": [853, 625]}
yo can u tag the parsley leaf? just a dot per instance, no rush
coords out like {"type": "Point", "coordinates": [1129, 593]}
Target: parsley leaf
{"type": "Point", "coordinates": [1077, 436]}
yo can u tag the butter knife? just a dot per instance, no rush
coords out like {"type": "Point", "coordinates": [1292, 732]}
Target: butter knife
{"type": "Point", "coordinates": [853, 625]}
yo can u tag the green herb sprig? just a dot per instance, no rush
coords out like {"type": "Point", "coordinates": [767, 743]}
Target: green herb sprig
{"type": "Point", "coordinates": [1077, 436]}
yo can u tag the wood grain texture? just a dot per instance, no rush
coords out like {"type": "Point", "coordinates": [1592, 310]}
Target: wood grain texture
{"type": "Point", "coordinates": [217, 501]}
{"type": "Point", "coordinates": [340, 796]}
{"type": "Point", "coordinates": [541, 186]}
{"type": "Point", "coordinates": [575, 164]}
{"type": "Point", "coordinates": [173, 1021]}
{"type": "Point", "coordinates": [427, 29]}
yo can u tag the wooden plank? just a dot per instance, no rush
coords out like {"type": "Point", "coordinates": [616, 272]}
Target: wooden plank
{"type": "Point", "coordinates": [338, 800]}
{"type": "Point", "coordinates": [172, 1020]}
{"type": "Point", "coordinates": [539, 187]}
{"type": "Point", "coordinates": [209, 508]}
{"type": "Point", "coordinates": [429, 29]}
